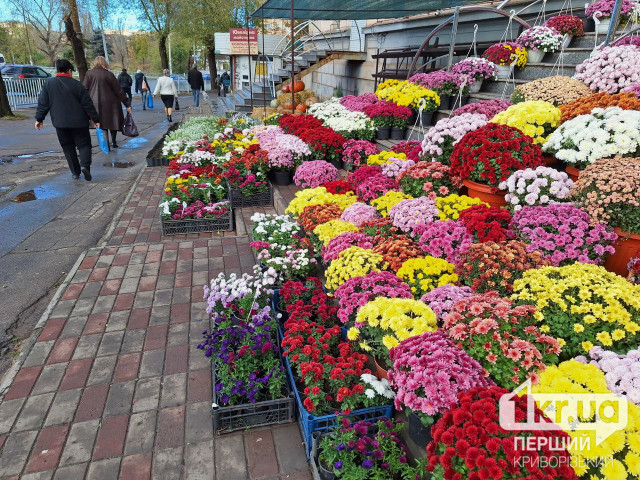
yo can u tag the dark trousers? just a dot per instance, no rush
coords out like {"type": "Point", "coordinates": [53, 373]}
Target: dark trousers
{"type": "Point", "coordinates": [127, 92]}
{"type": "Point", "coordinates": [72, 139]}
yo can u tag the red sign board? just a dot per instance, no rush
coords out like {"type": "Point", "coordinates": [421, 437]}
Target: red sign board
{"type": "Point", "coordinates": [242, 40]}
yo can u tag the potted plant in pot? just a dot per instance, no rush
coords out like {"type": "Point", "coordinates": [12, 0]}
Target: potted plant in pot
{"type": "Point", "coordinates": [281, 164]}
{"type": "Point", "coordinates": [505, 54]}
{"type": "Point", "coordinates": [602, 11]}
{"type": "Point", "coordinates": [407, 94]}
{"type": "Point", "coordinates": [314, 173]}
{"type": "Point", "coordinates": [446, 84]}
{"type": "Point", "coordinates": [538, 41]}
{"type": "Point", "coordinates": [476, 70]}
{"type": "Point", "coordinates": [356, 152]}
{"type": "Point", "coordinates": [428, 373]}
{"type": "Point", "coordinates": [489, 155]}
{"type": "Point", "coordinates": [382, 322]}
{"type": "Point", "coordinates": [366, 451]}
{"type": "Point", "coordinates": [390, 119]}
{"type": "Point", "coordinates": [568, 26]}
{"type": "Point", "coordinates": [608, 191]}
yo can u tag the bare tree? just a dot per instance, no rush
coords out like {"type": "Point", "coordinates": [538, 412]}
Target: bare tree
{"type": "Point", "coordinates": [45, 16]}
{"type": "Point", "coordinates": [5, 108]}
{"type": "Point", "coordinates": [120, 44]}
{"type": "Point", "coordinates": [73, 30]}
{"type": "Point", "coordinates": [159, 15]}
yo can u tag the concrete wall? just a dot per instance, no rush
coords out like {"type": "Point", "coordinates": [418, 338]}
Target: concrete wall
{"type": "Point", "coordinates": [356, 76]}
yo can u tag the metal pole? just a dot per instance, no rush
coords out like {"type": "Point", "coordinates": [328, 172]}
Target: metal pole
{"type": "Point", "coordinates": [293, 65]}
{"type": "Point", "coordinates": [246, 21]}
{"type": "Point", "coordinates": [454, 33]}
{"type": "Point", "coordinates": [614, 21]}
{"type": "Point", "coordinates": [265, 72]}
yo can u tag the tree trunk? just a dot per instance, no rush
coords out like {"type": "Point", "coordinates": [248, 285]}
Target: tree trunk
{"type": "Point", "coordinates": [213, 69]}
{"type": "Point", "coordinates": [74, 35]}
{"type": "Point", "coordinates": [5, 108]}
{"type": "Point", "coordinates": [162, 47]}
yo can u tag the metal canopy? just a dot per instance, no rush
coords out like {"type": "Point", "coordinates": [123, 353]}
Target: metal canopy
{"type": "Point", "coordinates": [352, 9]}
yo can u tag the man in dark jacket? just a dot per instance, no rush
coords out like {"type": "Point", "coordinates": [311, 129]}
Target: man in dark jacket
{"type": "Point", "coordinates": [194, 77]}
{"type": "Point", "coordinates": [225, 79]}
{"type": "Point", "coordinates": [138, 80]}
{"type": "Point", "coordinates": [125, 81]}
{"type": "Point", "coordinates": [71, 108]}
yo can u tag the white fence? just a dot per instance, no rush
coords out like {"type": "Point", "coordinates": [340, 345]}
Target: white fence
{"type": "Point", "coordinates": [23, 92]}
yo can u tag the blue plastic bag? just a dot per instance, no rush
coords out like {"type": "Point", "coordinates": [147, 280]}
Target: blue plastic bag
{"type": "Point", "coordinates": [149, 101]}
{"type": "Point", "coordinates": [102, 141]}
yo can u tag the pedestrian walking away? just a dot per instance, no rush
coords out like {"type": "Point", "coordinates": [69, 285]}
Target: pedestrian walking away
{"type": "Point", "coordinates": [107, 95]}
{"type": "Point", "coordinates": [142, 87]}
{"type": "Point", "coordinates": [196, 82]}
{"type": "Point", "coordinates": [71, 108]}
{"type": "Point", "coordinates": [226, 82]}
{"type": "Point", "coordinates": [218, 83]}
{"type": "Point", "coordinates": [125, 81]}
{"type": "Point", "coordinates": [166, 87]}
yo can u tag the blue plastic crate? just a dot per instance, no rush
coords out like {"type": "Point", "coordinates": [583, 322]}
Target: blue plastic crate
{"type": "Point", "coordinates": [310, 423]}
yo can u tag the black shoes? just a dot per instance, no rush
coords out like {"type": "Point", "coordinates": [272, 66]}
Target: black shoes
{"type": "Point", "coordinates": [86, 173]}
{"type": "Point", "coordinates": [169, 119]}
{"type": "Point", "coordinates": [74, 176]}
{"type": "Point", "coordinates": [115, 145]}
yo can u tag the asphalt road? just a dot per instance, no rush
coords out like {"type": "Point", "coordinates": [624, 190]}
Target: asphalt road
{"type": "Point", "coordinates": [41, 239]}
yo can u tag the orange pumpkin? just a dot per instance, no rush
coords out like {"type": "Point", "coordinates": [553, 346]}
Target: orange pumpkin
{"type": "Point", "coordinates": [288, 106]}
{"type": "Point", "coordinates": [286, 89]}
{"type": "Point", "coordinates": [301, 107]}
{"type": "Point", "coordinates": [298, 86]}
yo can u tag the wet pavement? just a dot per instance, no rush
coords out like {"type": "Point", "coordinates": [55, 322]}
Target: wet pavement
{"type": "Point", "coordinates": [41, 238]}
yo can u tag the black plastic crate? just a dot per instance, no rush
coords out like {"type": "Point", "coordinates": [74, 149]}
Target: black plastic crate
{"type": "Point", "coordinates": [157, 162]}
{"type": "Point", "coordinates": [197, 225]}
{"type": "Point", "coordinates": [239, 417]}
{"type": "Point", "coordinates": [240, 200]}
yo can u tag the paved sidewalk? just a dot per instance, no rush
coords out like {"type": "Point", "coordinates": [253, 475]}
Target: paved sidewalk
{"type": "Point", "coordinates": [114, 386]}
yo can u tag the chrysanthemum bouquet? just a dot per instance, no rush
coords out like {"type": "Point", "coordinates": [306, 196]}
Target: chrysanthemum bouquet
{"type": "Point", "coordinates": [622, 371]}
{"type": "Point", "coordinates": [356, 152]}
{"type": "Point", "coordinates": [359, 213]}
{"type": "Point", "coordinates": [536, 119]}
{"type": "Point", "coordinates": [567, 25]}
{"type": "Point", "coordinates": [540, 38]}
{"type": "Point", "coordinates": [352, 262]}
{"type": "Point", "coordinates": [430, 178]}
{"type": "Point", "coordinates": [397, 250]}
{"type": "Point", "coordinates": [475, 68]}
{"type": "Point", "coordinates": [408, 214]}
{"type": "Point", "coordinates": [488, 108]}
{"type": "Point", "coordinates": [610, 69]}
{"type": "Point", "coordinates": [439, 141]}
{"type": "Point", "coordinates": [315, 173]}
{"type": "Point", "coordinates": [452, 205]}
{"type": "Point", "coordinates": [343, 241]}
{"type": "Point", "coordinates": [505, 53]}
{"type": "Point", "coordinates": [536, 186]}
{"type": "Point", "coordinates": [385, 202]}
{"type": "Point", "coordinates": [425, 274]}
{"type": "Point", "coordinates": [441, 299]}
{"type": "Point", "coordinates": [442, 82]}
{"type": "Point", "coordinates": [443, 239]}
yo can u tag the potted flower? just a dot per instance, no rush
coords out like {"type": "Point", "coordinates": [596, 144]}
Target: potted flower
{"type": "Point", "coordinates": [355, 153]}
{"type": "Point", "coordinates": [388, 118]}
{"type": "Point", "coordinates": [366, 451]}
{"type": "Point", "coordinates": [488, 108]}
{"type": "Point", "coordinates": [601, 134]}
{"type": "Point", "coordinates": [602, 11]}
{"type": "Point", "coordinates": [314, 173]}
{"type": "Point", "coordinates": [608, 191]}
{"type": "Point", "coordinates": [633, 268]}
{"type": "Point", "coordinates": [314, 215]}
{"type": "Point", "coordinates": [567, 25]}
{"type": "Point", "coordinates": [592, 293]}
{"type": "Point", "coordinates": [438, 142]}
{"type": "Point", "coordinates": [451, 206]}
{"type": "Point", "coordinates": [477, 70]}
{"type": "Point", "coordinates": [375, 186]}
{"type": "Point", "coordinates": [504, 55]}
{"type": "Point", "coordinates": [468, 441]}
{"type": "Point", "coordinates": [383, 322]}
{"type": "Point", "coordinates": [428, 373]}
{"type": "Point", "coordinates": [411, 148]}
{"type": "Point", "coordinates": [407, 94]}
{"type": "Point", "coordinates": [446, 84]}
{"type": "Point", "coordinates": [539, 40]}
{"type": "Point", "coordinates": [441, 299]}
{"type": "Point", "coordinates": [563, 234]}
{"type": "Point", "coordinates": [324, 143]}
{"type": "Point", "coordinates": [385, 202]}
{"type": "Point", "coordinates": [428, 178]}
{"type": "Point", "coordinates": [620, 370]}
{"type": "Point", "coordinates": [584, 105]}
{"type": "Point", "coordinates": [557, 90]}
{"type": "Point", "coordinates": [352, 262]}
{"type": "Point", "coordinates": [536, 186]}
{"type": "Point", "coordinates": [396, 251]}
{"type": "Point", "coordinates": [530, 117]}
{"type": "Point", "coordinates": [489, 155]}
{"type": "Point", "coordinates": [502, 336]}
{"type": "Point", "coordinates": [425, 274]}
{"type": "Point", "coordinates": [443, 239]}
{"type": "Point", "coordinates": [495, 266]}
{"type": "Point", "coordinates": [596, 70]}
{"type": "Point", "coordinates": [486, 223]}
{"type": "Point", "coordinates": [411, 213]}
{"type": "Point", "coordinates": [337, 244]}
{"type": "Point", "coordinates": [396, 167]}
{"type": "Point", "coordinates": [281, 165]}
{"type": "Point", "coordinates": [358, 213]}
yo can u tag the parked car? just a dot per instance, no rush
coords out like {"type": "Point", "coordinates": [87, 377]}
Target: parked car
{"type": "Point", "coordinates": [23, 71]}
{"type": "Point", "coordinates": [2, 61]}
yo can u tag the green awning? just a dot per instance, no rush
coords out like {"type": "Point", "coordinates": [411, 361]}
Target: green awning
{"type": "Point", "coordinates": [352, 9]}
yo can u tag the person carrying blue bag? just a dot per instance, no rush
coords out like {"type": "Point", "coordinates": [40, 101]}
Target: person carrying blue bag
{"type": "Point", "coordinates": [71, 109]}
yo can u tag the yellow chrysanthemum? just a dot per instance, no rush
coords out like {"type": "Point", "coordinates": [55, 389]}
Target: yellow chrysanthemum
{"type": "Point", "coordinates": [536, 119]}
{"type": "Point", "coordinates": [331, 229]}
{"type": "Point", "coordinates": [352, 262]}
{"type": "Point", "coordinates": [425, 274]}
{"type": "Point", "coordinates": [353, 333]}
{"type": "Point", "coordinates": [449, 207]}
{"type": "Point", "coordinates": [384, 203]}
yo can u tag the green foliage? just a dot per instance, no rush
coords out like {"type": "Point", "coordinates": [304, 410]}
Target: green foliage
{"type": "Point", "coordinates": [97, 47]}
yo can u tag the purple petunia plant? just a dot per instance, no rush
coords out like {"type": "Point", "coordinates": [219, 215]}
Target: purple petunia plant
{"type": "Point", "coordinates": [563, 234]}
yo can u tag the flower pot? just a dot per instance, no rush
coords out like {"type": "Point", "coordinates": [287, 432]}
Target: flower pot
{"type": "Point", "coordinates": [336, 163]}
{"type": "Point", "coordinates": [324, 473]}
{"type": "Point", "coordinates": [427, 118]}
{"type": "Point", "coordinates": [383, 133]}
{"type": "Point", "coordinates": [397, 133]}
{"type": "Point", "coordinates": [420, 434]}
{"type": "Point", "coordinates": [445, 102]}
{"type": "Point", "coordinates": [566, 40]}
{"type": "Point", "coordinates": [464, 100]}
{"type": "Point", "coordinates": [549, 160]}
{"type": "Point", "coordinates": [573, 172]}
{"type": "Point", "coordinates": [380, 371]}
{"type": "Point", "coordinates": [282, 178]}
{"type": "Point", "coordinates": [476, 86]}
{"type": "Point", "coordinates": [626, 247]}
{"type": "Point", "coordinates": [483, 192]}
{"type": "Point", "coordinates": [504, 72]}
{"type": "Point", "coordinates": [603, 27]}
{"type": "Point", "coordinates": [534, 56]}
{"type": "Point", "coordinates": [589, 25]}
